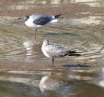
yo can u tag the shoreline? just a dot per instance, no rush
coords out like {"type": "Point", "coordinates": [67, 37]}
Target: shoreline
{"type": "Point", "coordinates": [25, 66]}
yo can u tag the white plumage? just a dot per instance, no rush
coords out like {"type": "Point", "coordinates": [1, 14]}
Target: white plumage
{"type": "Point", "coordinates": [38, 20]}
{"type": "Point", "coordinates": [51, 50]}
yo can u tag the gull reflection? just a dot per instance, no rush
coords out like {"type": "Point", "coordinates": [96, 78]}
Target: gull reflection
{"type": "Point", "coordinates": [101, 77]}
{"type": "Point", "coordinates": [29, 47]}
{"type": "Point", "coordinates": [52, 82]}
{"type": "Point", "coordinates": [30, 53]}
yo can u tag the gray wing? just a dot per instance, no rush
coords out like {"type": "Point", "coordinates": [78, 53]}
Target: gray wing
{"type": "Point", "coordinates": [41, 19]}
{"type": "Point", "coordinates": [56, 51]}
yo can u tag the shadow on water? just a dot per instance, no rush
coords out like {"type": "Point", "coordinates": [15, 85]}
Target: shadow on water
{"type": "Point", "coordinates": [76, 65]}
{"type": "Point", "coordinates": [65, 33]}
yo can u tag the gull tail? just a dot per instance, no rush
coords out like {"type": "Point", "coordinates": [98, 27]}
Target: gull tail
{"type": "Point", "coordinates": [56, 16]}
{"type": "Point", "coordinates": [74, 53]}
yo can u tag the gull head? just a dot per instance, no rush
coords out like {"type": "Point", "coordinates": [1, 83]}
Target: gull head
{"type": "Point", "coordinates": [46, 42]}
{"type": "Point", "coordinates": [25, 18]}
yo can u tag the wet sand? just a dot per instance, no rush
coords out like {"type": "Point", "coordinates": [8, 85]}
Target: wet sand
{"type": "Point", "coordinates": [25, 66]}
{"type": "Point", "coordinates": [68, 10]}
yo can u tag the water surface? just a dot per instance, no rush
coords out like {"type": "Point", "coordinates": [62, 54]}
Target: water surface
{"type": "Point", "coordinates": [80, 28]}
{"type": "Point", "coordinates": [73, 82]}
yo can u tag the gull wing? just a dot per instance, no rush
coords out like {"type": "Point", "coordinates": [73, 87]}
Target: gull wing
{"type": "Point", "coordinates": [56, 51]}
{"type": "Point", "coordinates": [40, 19]}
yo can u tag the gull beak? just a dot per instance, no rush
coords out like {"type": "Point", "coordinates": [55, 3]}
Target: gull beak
{"type": "Point", "coordinates": [19, 18]}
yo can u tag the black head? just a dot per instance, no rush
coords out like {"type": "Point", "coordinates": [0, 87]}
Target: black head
{"type": "Point", "coordinates": [25, 18]}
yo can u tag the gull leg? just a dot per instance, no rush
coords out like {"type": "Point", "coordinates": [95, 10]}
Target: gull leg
{"type": "Point", "coordinates": [35, 32]}
{"type": "Point", "coordinates": [52, 62]}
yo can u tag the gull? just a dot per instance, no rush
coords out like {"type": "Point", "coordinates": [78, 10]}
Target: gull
{"type": "Point", "coordinates": [52, 50]}
{"type": "Point", "coordinates": [38, 20]}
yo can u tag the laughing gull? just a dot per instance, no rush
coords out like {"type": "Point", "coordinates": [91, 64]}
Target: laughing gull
{"type": "Point", "coordinates": [38, 20]}
{"type": "Point", "coordinates": [52, 50]}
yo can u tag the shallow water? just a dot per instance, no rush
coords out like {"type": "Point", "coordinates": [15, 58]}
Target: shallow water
{"type": "Point", "coordinates": [80, 28]}
{"type": "Point", "coordinates": [72, 82]}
